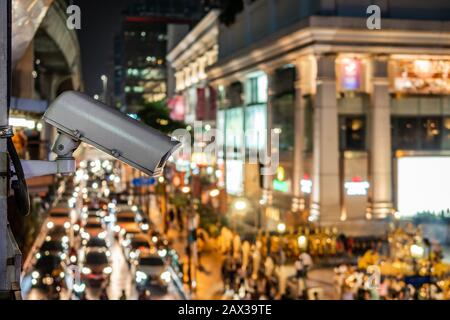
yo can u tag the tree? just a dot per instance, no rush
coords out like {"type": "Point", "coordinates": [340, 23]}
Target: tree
{"type": "Point", "coordinates": [157, 115]}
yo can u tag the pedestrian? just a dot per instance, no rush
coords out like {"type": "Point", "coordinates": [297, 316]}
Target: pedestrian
{"type": "Point", "coordinates": [300, 276]}
{"type": "Point", "coordinates": [245, 254]}
{"type": "Point", "coordinates": [123, 296]}
{"type": "Point", "coordinates": [256, 257]}
{"type": "Point", "coordinates": [269, 266]}
{"type": "Point", "coordinates": [179, 218]}
{"type": "Point", "coordinates": [104, 295]}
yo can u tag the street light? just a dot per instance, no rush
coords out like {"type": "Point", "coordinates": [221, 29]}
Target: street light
{"type": "Point", "coordinates": [281, 227]}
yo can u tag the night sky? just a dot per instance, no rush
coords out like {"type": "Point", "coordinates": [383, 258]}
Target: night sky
{"type": "Point", "coordinates": [100, 21]}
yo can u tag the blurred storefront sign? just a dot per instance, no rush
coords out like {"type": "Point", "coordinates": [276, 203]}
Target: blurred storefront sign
{"type": "Point", "coordinates": [420, 76]}
{"type": "Point", "coordinates": [356, 187]}
{"type": "Point", "coordinates": [349, 74]}
{"type": "Point", "coordinates": [138, 182]}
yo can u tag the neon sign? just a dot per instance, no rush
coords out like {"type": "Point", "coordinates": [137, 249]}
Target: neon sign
{"type": "Point", "coordinates": [356, 187]}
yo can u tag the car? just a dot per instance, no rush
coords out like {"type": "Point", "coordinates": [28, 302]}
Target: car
{"type": "Point", "coordinates": [97, 243]}
{"type": "Point", "coordinates": [158, 240]}
{"type": "Point", "coordinates": [48, 274]}
{"type": "Point", "coordinates": [96, 266]}
{"type": "Point", "coordinates": [59, 216]}
{"type": "Point", "coordinates": [93, 228]}
{"type": "Point", "coordinates": [149, 270]}
{"type": "Point", "coordinates": [92, 213]}
{"type": "Point", "coordinates": [143, 221]}
{"type": "Point", "coordinates": [58, 233]}
{"type": "Point", "coordinates": [50, 246]}
{"type": "Point", "coordinates": [126, 220]}
{"type": "Point", "coordinates": [133, 244]}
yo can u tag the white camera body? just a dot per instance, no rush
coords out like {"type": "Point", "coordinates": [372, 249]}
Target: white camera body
{"type": "Point", "coordinates": [78, 118]}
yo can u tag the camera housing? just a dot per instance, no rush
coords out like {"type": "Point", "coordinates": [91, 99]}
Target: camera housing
{"type": "Point", "coordinates": [79, 118]}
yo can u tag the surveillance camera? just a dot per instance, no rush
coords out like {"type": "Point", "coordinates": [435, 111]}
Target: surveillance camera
{"type": "Point", "coordinates": [78, 118]}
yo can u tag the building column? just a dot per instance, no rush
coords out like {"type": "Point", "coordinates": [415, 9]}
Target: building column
{"type": "Point", "coordinates": [380, 141]}
{"type": "Point", "coordinates": [326, 186]}
{"type": "Point", "coordinates": [298, 201]}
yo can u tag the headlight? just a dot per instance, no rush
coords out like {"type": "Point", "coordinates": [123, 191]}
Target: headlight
{"type": "Point", "coordinates": [132, 255]}
{"type": "Point", "coordinates": [79, 287]}
{"type": "Point", "coordinates": [116, 228]}
{"type": "Point", "coordinates": [107, 270]}
{"type": "Point", "coordinates": [33, 282]}
{"type": "Point", "coordinates": [162, 253]}
{"type": "Point", "coordinates": [35, 274]}
{"type": "Point", "coordinates": [38, 256]}
{"type": "Point", "coordinates": [50, 224]}
{"type": "Point", "coordinates": [155, 239]}
{"type": "Point", "coordinates": [73, 259]}
{"type": "Point", "coordinates": [65, 239]}
{"type": "Point", "coordinates": [140, 276]}
{"type": "Point", "coordinates": [85, 235]}
{"type": "Point", "coordinates": [102, 235]}
{"type": "Point", "coordinates": [86, 270]}
{"type": "Point", "coordinates": [144, 226]}
{"type": "Point", "coordinates": [62, 275]}
{"type": "Point", "coordinates": [63, 256]}
{"type": "Point", "coordinates": [67, 225]}
{"type": "Point", "coordinates": [76, 227]}
{"type": "Point", "coordinates": [165, 276]}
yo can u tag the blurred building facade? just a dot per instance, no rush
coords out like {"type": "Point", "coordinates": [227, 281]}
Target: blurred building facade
{"type": "Point", "coordinates": [140, 49]}
{"type": "Point", "coordinates": [193, 99]}
{"type": "Point", "coordinates": [351, 106]}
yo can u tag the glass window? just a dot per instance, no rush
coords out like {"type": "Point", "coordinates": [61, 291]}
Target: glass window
{"type": "Point", "coordinates": [256, 89]}
{"type": "Point", "coordinates": [283, 120]}
{"type": "Point", "coordinates": [255, 127]}
{"type": "Point", "coordinates": [420, 133]}
{"type": "Point", "coordinates": [446, 133]}
{"type": "Point", "coordinates": [407, 133]}
{"type": "Point", "coordinates": [430, 133]}
{"type": "Point", "coordinates": [234, 129]}
{"type": "Point", "coordinates": [352, 133]}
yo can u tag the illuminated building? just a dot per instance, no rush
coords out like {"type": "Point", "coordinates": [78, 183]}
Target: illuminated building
{"type": "Point", "coordinates": [141, 47]}
{"type": "Point", "coordinates": [363, 116]}
{"type": "Point", "coordinates": [190, 58]}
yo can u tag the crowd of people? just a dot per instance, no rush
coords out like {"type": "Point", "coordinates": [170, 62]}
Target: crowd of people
{"type": "Point", "coordinates": [249, 272]}
{"type": "Point", "coordinates": [352, 283]}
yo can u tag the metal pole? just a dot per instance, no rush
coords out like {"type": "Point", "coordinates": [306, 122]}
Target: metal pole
{"type": "Point", "coordinates": [5, 59]}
